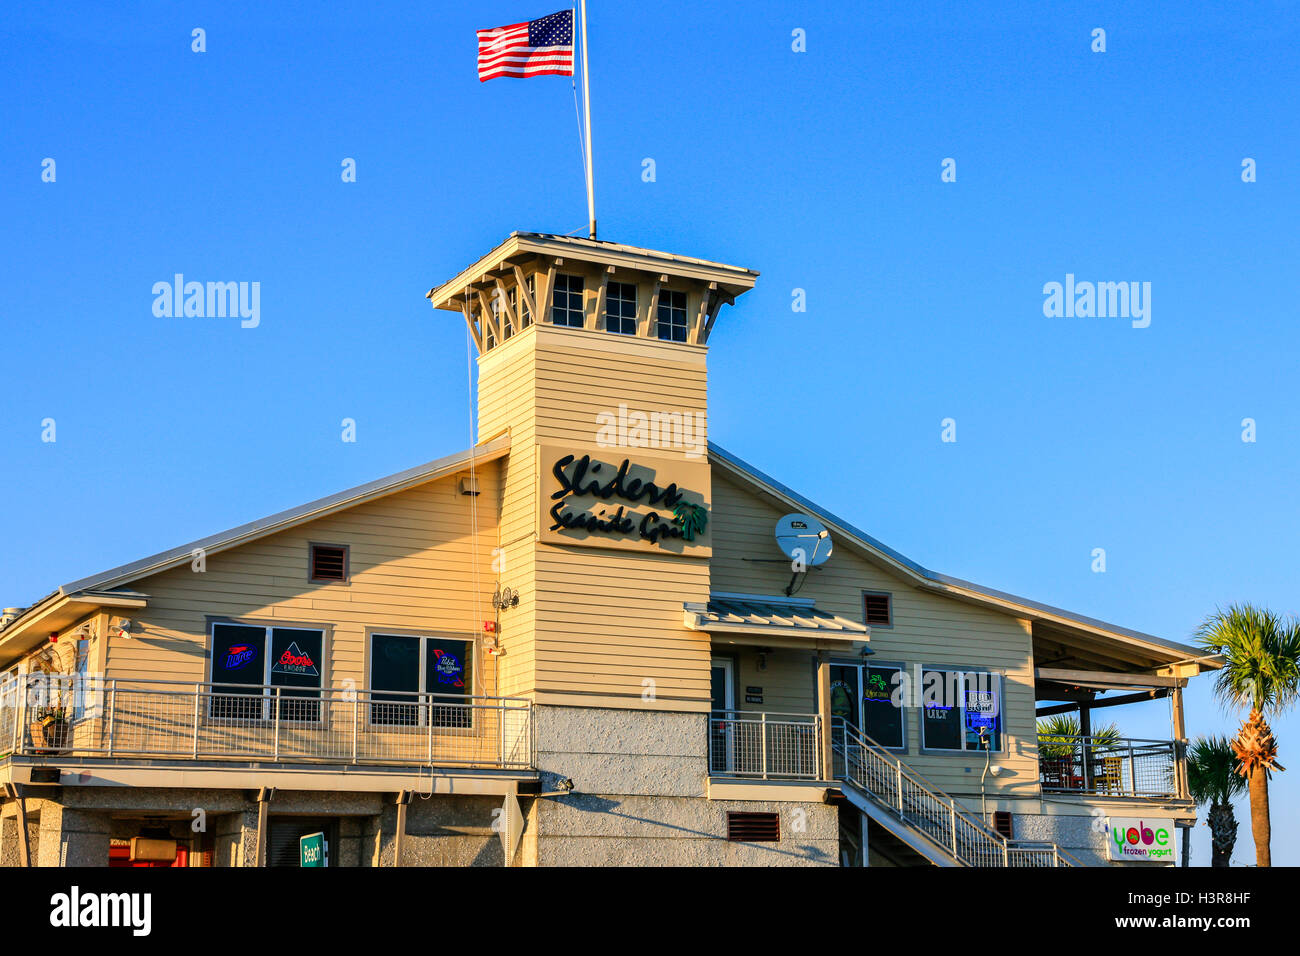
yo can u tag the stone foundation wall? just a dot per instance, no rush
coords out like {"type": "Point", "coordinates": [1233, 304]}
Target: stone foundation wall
{"type": "Point", "coordinates": [640, 798]}
{"type": "Point", "coordinates": [1083, 837]}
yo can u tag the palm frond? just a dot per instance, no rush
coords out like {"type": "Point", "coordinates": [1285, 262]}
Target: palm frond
{"type": "Point", "coordinates": [1212, 775]}
{"type": "Point", "coordinates": [1261, 653]}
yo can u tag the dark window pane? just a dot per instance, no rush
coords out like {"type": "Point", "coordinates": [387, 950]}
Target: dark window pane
{"type": "Point", "coordinates": [394, 666]}
{"type": "Point", "coordinates": [881, 720]}
{"type": "Point", "coordinates": [620, 308]}
{"type": "Point", "coordinates": [296, 663]}
{"type": "Point", "coordinates": [844, 693]}
{"type": "Point", "coordinates": [566, 301]}
{"type": "Point", "coordinates": [238, 667]}
{"type": "Point", "coordinates": [238, 654]}
{"type": "Point", "coordinates": [941, 711]}
{"type": "Point", "coordinates": [983, 710]}
{"type": "Point", "coordinates": [448, 669]}
{"type": "Point", "coordinates": [670, 322]}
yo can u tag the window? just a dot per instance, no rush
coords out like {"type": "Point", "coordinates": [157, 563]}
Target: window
{"type": "Point", "coordinates": [878, 609]}
{"type": "Point", "coordinates": [405, 668]}
{"type": "Point", "coordinates": [252, 666]}
{"type": "Point", "coordinates": [620, 308]}
{"type": "Point", "coordinates": [566, 302]}
{"type": "Point", "coordinates": [753, 827]}
{"type": "Point", "coordinates": [518, 308]}
{"type": "Point", "coordinates": [328, 562]}
{"type": "Point", "coordinates": [957, 706]}
{"type": "Point", "coordinates": [499, 314]}
{"type": "Point", "coordinates": [882, 717]}
{"type": "Point", "coordinates": [671, 322]}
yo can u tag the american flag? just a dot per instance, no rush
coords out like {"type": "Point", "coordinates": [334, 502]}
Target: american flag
{"type": "Point", "coordinates": [537, 48]}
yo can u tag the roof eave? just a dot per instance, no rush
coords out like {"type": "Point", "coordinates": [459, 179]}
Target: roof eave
{"type": "Point", "coordinates": [946, 584]}
{"type": "Point", "coordinates": [253, 530]}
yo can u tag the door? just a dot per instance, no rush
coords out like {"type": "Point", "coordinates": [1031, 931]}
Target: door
{"type": "Point", "coordinates": [722, 731]}
{"type": "Point", "coordinates": [846, 697]}
{"type": "Point", "coordinates": [285, 832]}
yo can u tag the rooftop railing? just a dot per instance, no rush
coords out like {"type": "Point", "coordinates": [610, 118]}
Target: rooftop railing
{"type": "Point", "coordinates": [42, 715]}
{"type": "Point", "coordinates": [1105, 766]}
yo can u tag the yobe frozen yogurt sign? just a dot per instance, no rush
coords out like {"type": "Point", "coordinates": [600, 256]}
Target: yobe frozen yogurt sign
{"type": "Point", "coordinates": [1134, 838]}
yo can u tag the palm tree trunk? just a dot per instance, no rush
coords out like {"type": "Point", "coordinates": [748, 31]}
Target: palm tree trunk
{"type": "Point", "coordinates": [1187, 846]}
{"type": "Point", "coordinates": [1260, 827]}
{"type": "Point", "coordinates": [1223, 833]}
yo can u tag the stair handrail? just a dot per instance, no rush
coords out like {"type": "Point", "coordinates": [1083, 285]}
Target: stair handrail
{"type": "Point", "coordinates": [1000, 845]}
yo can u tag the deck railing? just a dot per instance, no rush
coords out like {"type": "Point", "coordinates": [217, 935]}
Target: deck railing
{"type": "Point", "coordinates": [765, 746]}
{"type": "Point", "coordinates": [44, 716]}
{"type": "Point", "coordinates": [1116, 767]}
{"type": "Point", "coordinates": [925, 808]}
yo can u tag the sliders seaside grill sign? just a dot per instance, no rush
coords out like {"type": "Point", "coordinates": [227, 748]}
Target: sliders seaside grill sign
{"type": "Point", "coordinates": [601, 503]}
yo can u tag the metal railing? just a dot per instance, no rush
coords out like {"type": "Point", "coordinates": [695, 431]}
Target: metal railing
{"type": "Point", "coordinates": [1117, 767]}
{"type": "Point", "coordinates": [925, 808]}
{"type": "Point", "coordinates": [40, 716]}
{"type": "Point", "coordinates": [765, 746]}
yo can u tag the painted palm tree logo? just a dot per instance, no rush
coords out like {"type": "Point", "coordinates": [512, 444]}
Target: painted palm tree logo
{"type": "Point", "coordinates": [692, 519]}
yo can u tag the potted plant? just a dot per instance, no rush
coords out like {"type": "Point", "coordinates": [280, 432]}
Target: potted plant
{"type": "Point", "coordinates": [1062, 753]}
{"type": "Point", "coordinates": [50, 730]}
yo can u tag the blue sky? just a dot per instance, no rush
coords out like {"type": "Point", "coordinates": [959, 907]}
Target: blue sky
{"type": "Point", "coordinates": [819, 169]}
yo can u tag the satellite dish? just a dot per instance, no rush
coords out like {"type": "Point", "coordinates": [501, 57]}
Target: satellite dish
{"type": "Point", "coordinates": [803, 537]}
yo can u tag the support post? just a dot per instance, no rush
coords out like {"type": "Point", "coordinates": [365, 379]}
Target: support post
{"type": "Point", "coordinates": [112, 712]}
{"type": "Point", "coordinates": [264, 796]}
{"type": "Point", "coordinates": [24, 849]}
{"type": "Point", "coordinates": [824, 709]}
{"type": "Point", "coordinates": [1180, 742]}
{"type": "Point", "coordinates": [1085, 731]}
{"type": "Point", "coordinates": [403, 798]}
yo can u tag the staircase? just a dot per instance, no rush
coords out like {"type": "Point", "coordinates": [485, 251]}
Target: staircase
{"type": "Point", "coordinates": [919, 814]}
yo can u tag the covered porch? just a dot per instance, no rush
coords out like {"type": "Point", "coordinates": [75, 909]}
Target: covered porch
{"type": "Point", "coordinates": [1083, 687]}
{"type": "Point", "coordinates": [771, 713]}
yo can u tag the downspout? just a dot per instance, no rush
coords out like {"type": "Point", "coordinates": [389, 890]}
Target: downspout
{"type": "Point", "coordinates": [988, 756]}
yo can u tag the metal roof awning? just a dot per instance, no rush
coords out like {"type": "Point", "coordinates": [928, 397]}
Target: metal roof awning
{"type": "Point", "coordinates": [60, 612]}
{"type": "Point", "coordinates": [782, 622]}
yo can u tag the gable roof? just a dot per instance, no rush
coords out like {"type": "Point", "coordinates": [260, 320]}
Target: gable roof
{"type": "Point", "coordinates": [107, 586]}
{"type": "Point", "coordinates": [113, 579]}
{"type": "Point", "coordinates": [922, 577]}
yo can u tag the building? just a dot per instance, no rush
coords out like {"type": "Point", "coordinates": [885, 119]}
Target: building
{"type": "Point", "coordinates": [581, 641]}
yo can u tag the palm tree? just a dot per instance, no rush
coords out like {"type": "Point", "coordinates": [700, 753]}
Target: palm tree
{"type": "Point", "coordinates": [1261, 670]}
{"type": "Point", "coordinates": [1056, 735]}
{"type": "Point", "coordinates": [1213, 778]}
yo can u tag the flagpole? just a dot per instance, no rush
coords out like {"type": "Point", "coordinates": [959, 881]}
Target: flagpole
{"type": "Point", "coordinates": [586, 112]}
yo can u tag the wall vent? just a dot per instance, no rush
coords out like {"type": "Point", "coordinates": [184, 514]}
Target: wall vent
{"type": "Point", "coordinates": [328, 562]}
{"type": "Point", "coordinates": [753, 827]}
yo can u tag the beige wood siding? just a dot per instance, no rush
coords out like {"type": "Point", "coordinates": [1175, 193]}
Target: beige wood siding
{"type": "Point", "coordinates": [597, 627]}
{"type": "Point", "coordinates": [506, 401]}
{"type": "Point", "coordinates": [928, 628]}
{"type": "Point", "coordinates": [413, 563]}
